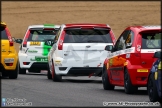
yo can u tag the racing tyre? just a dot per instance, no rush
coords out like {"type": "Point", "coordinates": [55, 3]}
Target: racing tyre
{"type": "Point", "coordinates": [56, 78]}
{"type": "Point", "coordinates": [4, 73]}
{"type": "Point", "coordinates": [105, 81]}
{"type": "Point", "coordinates": [21, 71]}
{"type": "Point", "coordinates": [152, 89]}
{"type": "Point", "coordinates": [14, 73]}
{"type": "Point", "coordinates": [49, 76]}
{"type": "Point", "coordinates": [129, 88]}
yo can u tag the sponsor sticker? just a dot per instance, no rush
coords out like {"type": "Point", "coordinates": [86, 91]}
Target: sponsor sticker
{"type": "Point", "coordinates": [40, 59]}
{"type": "Point", "coordinates": [35, 43]}
{"type": "Point", "coordinates": [142, 70]}
{"type": "Point", "coordinates": [32, 51]}
{"type": "Point", "coordinates": [58, 63]}
{"type": "Point", "coordinates": [138, 47]}
{"type": "Point", "coordinates": [127, 55]}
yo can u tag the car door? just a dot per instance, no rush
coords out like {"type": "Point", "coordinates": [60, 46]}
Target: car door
{"type": "Point", "coordinates": [118, 58]}
{"type": "Point", "coordinates": [125, 54]}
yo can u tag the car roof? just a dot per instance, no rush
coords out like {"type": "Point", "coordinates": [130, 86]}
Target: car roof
{"type": "Point", "coordinates": [146, 27]}
{"type": "Point", "coordinates": [86, 24]}
{"type": "Point", "coordinates": [42, 26]}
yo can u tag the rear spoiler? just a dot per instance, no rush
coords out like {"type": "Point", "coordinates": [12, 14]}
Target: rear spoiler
{"type": "Point", "coordinates": [150, 30]}
{"type": "Point", "coordinates": [44, 28]}
{"type": "Point", "coordinates": [95, 28]}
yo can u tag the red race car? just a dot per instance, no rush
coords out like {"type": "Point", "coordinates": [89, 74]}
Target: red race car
{"type": "Point", "coordinates": [129, 61]}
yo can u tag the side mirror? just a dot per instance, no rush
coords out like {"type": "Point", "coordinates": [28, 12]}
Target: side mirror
{"type": "Point", "coordinates": [157, 54]}
{"type": "Point", "coordinates": [49, 42]}
{"type": "Point", "coordinates": [18, 41]}
{"type": "Point", "coordinates": [109, 48]}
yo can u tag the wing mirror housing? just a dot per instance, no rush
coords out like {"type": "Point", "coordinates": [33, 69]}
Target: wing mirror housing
{"type": "Point", "coordinates": [157, 54]}
{"type": "Point", "coordinates": [18, 40]}
{"type": "Point", "coordinates": [109, 48]}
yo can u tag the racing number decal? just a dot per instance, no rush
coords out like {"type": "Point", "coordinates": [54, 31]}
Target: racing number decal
{"type": "Point", "coordinates": [35, 43]}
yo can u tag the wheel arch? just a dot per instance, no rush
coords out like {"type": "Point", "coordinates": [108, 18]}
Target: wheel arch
{"type": "Point", "coordinates": [149, 76]}
{"type": "Point", "coordinates": [125, 68]}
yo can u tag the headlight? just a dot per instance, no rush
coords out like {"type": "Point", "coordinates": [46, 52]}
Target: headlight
{"type": "Point", "coordinates": [159, 71]}
{"type": "Point", "coordinates": [9, 60]}
{"type": "Point", "coordinates": [159, 66]}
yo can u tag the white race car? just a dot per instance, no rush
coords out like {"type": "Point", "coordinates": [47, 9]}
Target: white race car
{"type": "Point", "coordinates": [78, 50]}
{"type": "Point", "coordinates": [33, 51]}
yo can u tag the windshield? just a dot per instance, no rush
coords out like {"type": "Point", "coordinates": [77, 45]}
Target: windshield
{"type": "Point", "coordinates": [42, 35]}
{"type": "Point", "coordinates": [151, 41]}
{"type": "Point", "coordinates": [87, 36]}
{"type": "Point", "coordinates": [3, 33]}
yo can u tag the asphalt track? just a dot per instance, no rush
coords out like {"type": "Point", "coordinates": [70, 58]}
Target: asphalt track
{"type": "Point", "coordinates": [73, 91]}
